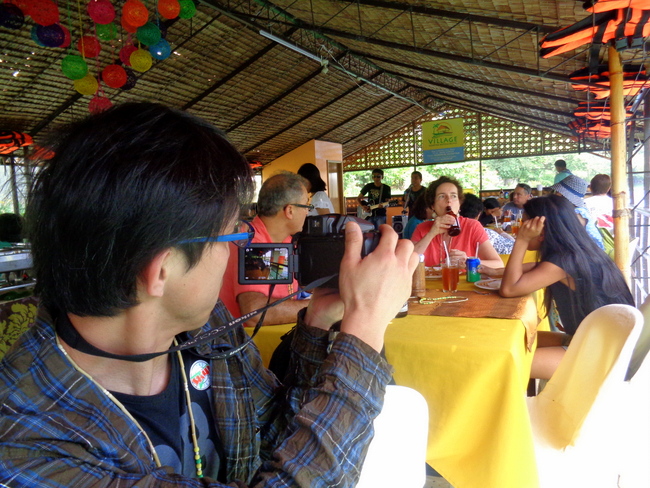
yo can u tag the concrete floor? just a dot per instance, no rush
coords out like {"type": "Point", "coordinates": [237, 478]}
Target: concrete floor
{"type": "Point", "coordinates": [436, 482]}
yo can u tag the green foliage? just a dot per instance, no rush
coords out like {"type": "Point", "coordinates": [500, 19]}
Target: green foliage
{"type": "Point", "coordinates": [497, 173]}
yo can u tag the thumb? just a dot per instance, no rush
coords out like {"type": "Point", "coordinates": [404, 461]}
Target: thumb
{"type": "Point", "coordinates": [353, 243]}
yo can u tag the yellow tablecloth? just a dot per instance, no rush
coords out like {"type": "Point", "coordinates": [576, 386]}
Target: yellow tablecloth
{"type": "Point", "coordinates": [473, 373]}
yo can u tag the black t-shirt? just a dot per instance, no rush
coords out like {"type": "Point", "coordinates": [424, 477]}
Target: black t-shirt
{"type": "Point", "coordinates": [566, 299]}
{"type": "Point", "coordinates": [410, 196]}
{"type": "Point", "coordinates": [377, 194]}
{"type": "Point", "coordinates": [165, 419]}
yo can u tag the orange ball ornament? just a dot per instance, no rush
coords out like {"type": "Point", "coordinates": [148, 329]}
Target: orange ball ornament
{"type": "Point", "coordinates": [169, 8]}
{"type": "Point", "coordinates": [135, 13]}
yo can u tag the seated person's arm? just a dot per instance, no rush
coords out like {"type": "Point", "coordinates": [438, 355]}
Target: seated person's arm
{"type": "Point", "coordinates": [284, 313]}
{"type": "Point", "coordinates": [488, 255]}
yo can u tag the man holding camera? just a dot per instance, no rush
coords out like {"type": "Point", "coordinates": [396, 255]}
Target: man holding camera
{"type": "Point", "coordinates": [130, 224]}
{"type": "Point", "coordinates": [282, 206]}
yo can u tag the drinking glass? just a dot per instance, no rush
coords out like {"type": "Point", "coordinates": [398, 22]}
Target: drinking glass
{"type": "Point", "coordinates": [450, 272]}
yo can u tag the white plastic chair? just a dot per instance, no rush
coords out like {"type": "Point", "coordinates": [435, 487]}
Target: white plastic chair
{"type": "Point", "coordinates": [579, 419]}
{"type": "Point", "coordinates": [397, 454]}
{"type": "Point", "coordinates": [636, 468]}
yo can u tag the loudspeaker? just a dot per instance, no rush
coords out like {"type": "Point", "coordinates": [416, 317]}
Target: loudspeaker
{"type": "Point", "coordinates": [399, 222]}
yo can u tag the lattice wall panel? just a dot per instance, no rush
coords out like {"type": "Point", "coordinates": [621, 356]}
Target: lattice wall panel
{"type": "Point", "coordinates": [486, 137]}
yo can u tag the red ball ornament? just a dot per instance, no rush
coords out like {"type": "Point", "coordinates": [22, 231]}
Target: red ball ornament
{"type": "Point", "coordinates": [114, 76]}
{"type": "Point", "coordinates": [101, 11]}
{"type": "Point", "coordinates": [66, 37]}
{"type": "Point", "coordinates": [128, 27]}
{"type": "Point", "coordinates": [89, 46]}
{"type": "Point", "coordinates": [169, 8]}
{"type": "Point", "coordinates": [135, 13]}
{"type": "Point", "coordinates": [24, 5]}
{"type": "Point", "coordinates": [44, 12]}
{"type": "Point", "coordinates": [98, 104]}
{"type": "Point", "coordinates": [125, 54]}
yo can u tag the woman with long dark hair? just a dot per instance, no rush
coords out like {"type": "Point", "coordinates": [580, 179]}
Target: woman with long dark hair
{"type": "Point", "coordinates": [578, 276]}
{"type": "Point", "coordinates": [319, 199]}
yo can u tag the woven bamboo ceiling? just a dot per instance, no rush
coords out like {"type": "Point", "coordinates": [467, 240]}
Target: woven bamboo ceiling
{"type": "Point", "coordinates": [385, 64]}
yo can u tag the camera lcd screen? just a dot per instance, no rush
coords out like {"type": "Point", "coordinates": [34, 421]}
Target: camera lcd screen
{"type": "Point", "coordinates": [266, 264]}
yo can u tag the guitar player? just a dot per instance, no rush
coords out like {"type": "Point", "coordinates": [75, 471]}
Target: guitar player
{"type": "Point", "coordinates": [377, 193]}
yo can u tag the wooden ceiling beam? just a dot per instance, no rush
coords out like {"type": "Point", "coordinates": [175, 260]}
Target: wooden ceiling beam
{"type": "Point", "coordinates": [487, 84]}
{"type": "Point", "coordinates": [449, 14]}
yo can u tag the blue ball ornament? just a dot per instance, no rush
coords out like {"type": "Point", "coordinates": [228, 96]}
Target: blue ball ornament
{"type": "Point", "coordinates": [160, 50]}
{"type": "Point", "coordinates": [50, 35]}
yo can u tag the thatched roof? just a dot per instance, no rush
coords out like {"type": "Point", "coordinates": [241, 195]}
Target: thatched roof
{"type": "Point", "coordinates": [387, 64]}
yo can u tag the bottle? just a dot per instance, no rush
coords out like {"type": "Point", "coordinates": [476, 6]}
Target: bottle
{"type": "Point", "coordinates": [419, 284]}
{"type": "Point", "coordinates": [454, 230]}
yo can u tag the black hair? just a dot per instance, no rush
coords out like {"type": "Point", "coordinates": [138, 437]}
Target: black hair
{"type": "Point", "coordinates": [560, 163]}
{"type": "Point", "coordinates": [11, 227]}
{"type": "Point", "coordinates": [123, 186]}
{"type": "Point", "coordinates": [419, 208]}
{"type": "Point", "coordinates": [490, 203]}
{"type": "Point", "coordinates": [433, 187]}
{"type": "Point", "coordinates": [525, 187]}
{"type": "Point", "coordinates": [573, 250]}
{"type": "Point", "coordinates": [378, 171]}
{"type": "Point", "coordinates": [417, 173]}
{"type": "Point", "coordinates": [471, 207]}
{"type": "Point", "coordinates": [311, 173]}
{"type": "Point", "coordinates": [600, 184]}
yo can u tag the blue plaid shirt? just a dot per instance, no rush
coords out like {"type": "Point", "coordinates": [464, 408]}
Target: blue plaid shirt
{"type": "Point", "coordinates": [59, 428]}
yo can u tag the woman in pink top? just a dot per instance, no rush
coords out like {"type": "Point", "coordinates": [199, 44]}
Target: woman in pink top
{"type": "Point", "coordinates": [429, 236]}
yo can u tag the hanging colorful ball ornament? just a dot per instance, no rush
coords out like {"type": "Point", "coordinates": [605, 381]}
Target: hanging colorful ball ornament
{"type": "Point", "coordinates": [50, 35]}
{"type": "Point", "coordinates": [87, 85]}
{"type": "Point", "coordinates": [34, 35]}
{"type": "Point", "coordinates": [106, 32]}
{"type": "Point", "coordinates": [169, 9]}
{"type": "Point", "coordinates": [141, 60]}
{"type": "Point", "coordinates": [161, 50]}
{"type": "Point", "coordinates": [125, 53]}
{"type": "Point", "coordinates": [11, 16]}
{"type": "Point", "coordinates": [135, 13]}
{"type": "Point", "coordinates": [44, 12]}
{"type": "Point", "coordinates": [66, 37]}
{"type": "Point", "coordinates": [128, 27]}
{"type": "Point", "coordinates": [148, 34]}
{"type": "Point", "coordinates": [98, 104]}
{"type": "Point", "coordinates": [101, 11]}
{"type": "Point", "coordinates": [24, 5]}
{"type": "Point", "coordinates": [74, 66]}
{"type": "Point", "coordinates": [114, 76]}
{"type": "Point", "coordinates": [89, 46]}
{"type": "Point", "coordinates": [188, 9]}
{"type": "Point", "coordinates": [131, 79]}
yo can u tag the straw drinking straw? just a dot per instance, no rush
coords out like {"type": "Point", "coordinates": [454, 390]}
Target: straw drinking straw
{"type": "Point", "coordinates": [476, 255]}
{"type": "Point", "coordinates": [447, 252]}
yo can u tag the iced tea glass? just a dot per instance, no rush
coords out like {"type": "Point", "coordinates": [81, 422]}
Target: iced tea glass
{"type": "Point", "coordinates": [450, 271]}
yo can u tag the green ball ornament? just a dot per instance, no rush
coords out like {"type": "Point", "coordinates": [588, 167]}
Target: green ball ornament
{"type": "Point", "coordinates": [106, 32]}
{"type": "Point", "coordinates": [74, 67]}
{"type": "Point", "coordinates": [148, 34]}
{"type": "Point", "coordinates": [188, 9]}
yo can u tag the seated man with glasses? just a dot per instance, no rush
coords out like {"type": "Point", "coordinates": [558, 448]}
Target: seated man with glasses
{"type": "Point", "coordinates": [134, 373]}
{"type": "Point", "coordinates": [282, 207]}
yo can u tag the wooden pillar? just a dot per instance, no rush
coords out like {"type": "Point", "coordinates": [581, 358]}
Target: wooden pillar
{"type": "Point", "coordinates": [618, 150]}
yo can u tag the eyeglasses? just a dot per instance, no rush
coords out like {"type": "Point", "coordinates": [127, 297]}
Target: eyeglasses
{"type": "Point", "coordinates": [301, 205]}
{"type": "Point", "coordinates": [242, 237]}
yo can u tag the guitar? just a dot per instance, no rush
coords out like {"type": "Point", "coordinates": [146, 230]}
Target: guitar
{"type": "Point", "coordinates": [362, 214]}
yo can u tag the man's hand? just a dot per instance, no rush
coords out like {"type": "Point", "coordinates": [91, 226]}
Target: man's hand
{"type": "Point", "coordinates": [374, 288]}
{"type": "Point", "coordinates": [325, 308]}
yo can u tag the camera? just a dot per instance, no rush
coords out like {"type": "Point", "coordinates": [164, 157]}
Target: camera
{"type": "Point", "coordinates": [313, 253]}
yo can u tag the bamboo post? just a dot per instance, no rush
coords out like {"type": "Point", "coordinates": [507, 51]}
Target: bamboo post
{"type": "Point", "coordinates": [618, 150]}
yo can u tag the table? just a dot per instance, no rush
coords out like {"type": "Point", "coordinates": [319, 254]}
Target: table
{"type": "Point", "coordinates": [473, 373]}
